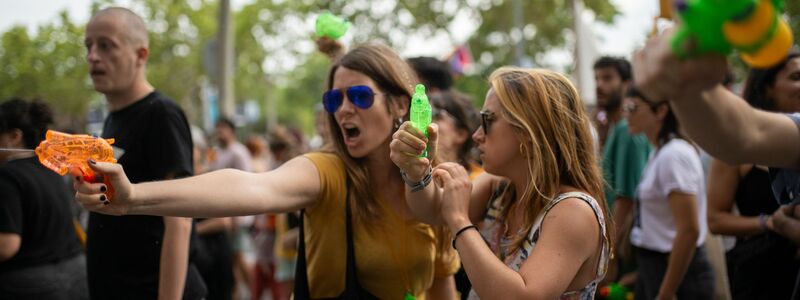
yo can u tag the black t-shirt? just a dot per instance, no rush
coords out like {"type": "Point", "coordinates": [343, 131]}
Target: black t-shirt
{"type": "Point", "coordinates": [35, 203]}
{"type": "Point", "coordinates": [124, 253]}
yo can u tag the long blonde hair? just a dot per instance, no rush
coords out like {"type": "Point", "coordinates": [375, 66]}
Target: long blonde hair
{"type": "Point", "coordinates": [544, 108]}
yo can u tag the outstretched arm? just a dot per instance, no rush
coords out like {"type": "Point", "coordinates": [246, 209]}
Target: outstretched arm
{"type": "Point", "coordinates": [719, 121]}
{"type": "Point", "coordinates": [221, 193]}
{"type": "Point", "coordinates": [728, 128]}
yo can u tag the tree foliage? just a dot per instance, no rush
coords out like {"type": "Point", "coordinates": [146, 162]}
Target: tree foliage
{"type": "Point", "coordinates": [275, 53]}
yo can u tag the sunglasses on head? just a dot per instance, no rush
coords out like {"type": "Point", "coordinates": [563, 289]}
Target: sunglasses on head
{"type": "Point", "coordinates": [487, 118]}
{"type": "Point", "coordinates": [361, 96]}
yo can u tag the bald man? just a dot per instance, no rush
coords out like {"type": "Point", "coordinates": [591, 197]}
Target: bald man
{"type": "Point", "coordinates": [138, 257]}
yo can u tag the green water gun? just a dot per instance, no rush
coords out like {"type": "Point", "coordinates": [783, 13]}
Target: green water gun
{"type": "Point", "coordinates": [331, 26]}
{"type": "Point", "coordinates": [421, 112]}
{"type": "Point", "coordinates": [753, 27]}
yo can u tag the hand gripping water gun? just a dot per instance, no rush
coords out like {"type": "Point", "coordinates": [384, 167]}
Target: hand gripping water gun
{"type": "Point", "coordinates": [614, 291]}
{"type": "Point", "coordinates": [63, 153]}
{"type": "Point", "coordinates": [754, 27]}
{"type": "Point", "coordinates": [331, 26]}
{"type": "Point", "coordinates": [421, 112]}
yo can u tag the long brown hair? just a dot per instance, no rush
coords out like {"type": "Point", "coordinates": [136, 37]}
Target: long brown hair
{"type": "Point", "coordinates": [545, 109]}
{"type": "Point", "coordinates": [395, 78]}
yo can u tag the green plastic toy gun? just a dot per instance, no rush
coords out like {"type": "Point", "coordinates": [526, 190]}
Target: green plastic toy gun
{"type": "Point", "coordinates": [421, 112]}
{"type": "Point", "coordinates": [754, 27]}
{"type": "Point", "coordinates": [331, 26]}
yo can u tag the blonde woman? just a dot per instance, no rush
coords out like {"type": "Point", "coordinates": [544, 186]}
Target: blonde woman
{"type": "Point", "coordinates": [546, 232]}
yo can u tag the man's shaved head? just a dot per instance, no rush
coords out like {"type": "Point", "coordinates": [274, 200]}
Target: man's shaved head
{"type": "Point", "coordinates": [135, 30]}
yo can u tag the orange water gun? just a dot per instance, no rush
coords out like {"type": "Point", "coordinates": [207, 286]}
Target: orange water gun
{"type": "Point", "coordinates": [69, 153]}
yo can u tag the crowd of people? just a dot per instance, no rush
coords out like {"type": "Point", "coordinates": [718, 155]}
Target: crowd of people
{"type": "Point", "coordinates": [532, 196]}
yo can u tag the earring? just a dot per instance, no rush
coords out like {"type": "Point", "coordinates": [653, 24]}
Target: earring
{"type": "Point", "coordinates": [523, 152]}
{"type": "Point", "coordinates": [398, 123]}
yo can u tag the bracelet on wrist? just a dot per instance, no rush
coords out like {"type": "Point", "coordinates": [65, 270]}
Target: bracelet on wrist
{"type": "Point", "coordinates": [418, 185]}
{"type": "Point", "coordinates": [762, 220]}
{"type": "Point", "coordinates": [465, 228]}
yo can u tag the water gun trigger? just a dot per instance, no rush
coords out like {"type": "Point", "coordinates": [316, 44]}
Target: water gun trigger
{"type": "Point", "coordinates": [86, 174]}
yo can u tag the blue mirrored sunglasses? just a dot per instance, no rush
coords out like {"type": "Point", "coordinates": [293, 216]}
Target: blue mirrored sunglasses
{"type": "Point", "coordinates": [360, 95]}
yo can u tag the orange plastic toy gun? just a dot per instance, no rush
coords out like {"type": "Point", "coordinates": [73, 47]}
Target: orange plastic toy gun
{"type": "Point", "coordinates": [62, 153]}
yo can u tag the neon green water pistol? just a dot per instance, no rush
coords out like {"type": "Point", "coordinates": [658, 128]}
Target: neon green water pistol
{"type": "Point", "coordinates": [421, 112]}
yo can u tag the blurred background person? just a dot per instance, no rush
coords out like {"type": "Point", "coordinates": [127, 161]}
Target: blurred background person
{"type": "Point", "coordinates": [40, 254]}
{"type": "Point", "coordinates": [624, 156]}
{"type": "Point", "coordinates": [457, 120]}
{"type": "Point", "coordinates": [260, 155]}
{"type": "Point", "coordinates": [214, 257]}
{"type": "Point", "coordinates": [669, 227]}
{"type": "Point", "coordinates": [276, 235]}
{"type": "Point", "coordinates": [231, 154]}
{"type": "Point", "coordinates": [762, 264]}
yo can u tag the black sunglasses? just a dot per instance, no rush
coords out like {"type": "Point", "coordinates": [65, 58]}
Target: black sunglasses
{"type": "Point", "coordinates": [487, 118]}
{"type": "Point", "coordinates": [360, 95]}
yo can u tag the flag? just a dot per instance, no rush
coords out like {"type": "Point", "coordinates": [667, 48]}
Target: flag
{"type": "Point", "coordinates": [460, 60]}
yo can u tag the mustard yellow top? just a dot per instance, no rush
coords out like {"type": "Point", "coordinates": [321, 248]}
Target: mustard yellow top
{"type": "Point", "coordinates": [474, 171]}
{"type": "Point", "coordinates": [392, 257]}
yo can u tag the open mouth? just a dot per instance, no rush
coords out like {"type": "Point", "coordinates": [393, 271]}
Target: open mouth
{"type": "Point", "coordinates": [351, 131]}
{"type": "Point", "coordinates": [97, 73]}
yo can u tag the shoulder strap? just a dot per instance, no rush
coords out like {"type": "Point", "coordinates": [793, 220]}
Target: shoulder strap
{"type": "Point", "coordinates": [351, 278]}
{"type": "Point", "coordinates": [301, 290]}
{"type": "Point", "coordinates": [352, 289]}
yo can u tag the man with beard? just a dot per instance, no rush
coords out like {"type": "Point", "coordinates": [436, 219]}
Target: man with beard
{"type": "Point", "coordinates": [624, 156]}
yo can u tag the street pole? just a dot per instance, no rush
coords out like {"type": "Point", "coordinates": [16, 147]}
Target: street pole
{"type": "Point", "coordinates": [225, 60]}
{"type": "Point", "coordinates": [519, 51]}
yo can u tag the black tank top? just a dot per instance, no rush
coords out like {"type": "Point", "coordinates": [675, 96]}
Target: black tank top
{"type": "Point", "coordinates": [754, 194]}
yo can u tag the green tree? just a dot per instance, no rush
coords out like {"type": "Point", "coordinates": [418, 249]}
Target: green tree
{"type": "Point", "coordinates": [275, 56]}
{"type": "Point", "coordinates": [793, 11]}
{"type": "Point", "coordinates": [48, 65]}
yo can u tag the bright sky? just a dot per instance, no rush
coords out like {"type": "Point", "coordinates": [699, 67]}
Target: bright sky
{"type": "Point", "coordinates": [627, 32]}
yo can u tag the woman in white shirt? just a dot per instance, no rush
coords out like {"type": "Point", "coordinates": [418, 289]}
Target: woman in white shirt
{"type": "Point", "coordinates": [670, 224]}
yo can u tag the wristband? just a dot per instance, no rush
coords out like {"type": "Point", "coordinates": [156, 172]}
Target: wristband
{"type": "Point", "coordinates": [460, 231]}
{"type": "Point", "coordinates": [418, 185]}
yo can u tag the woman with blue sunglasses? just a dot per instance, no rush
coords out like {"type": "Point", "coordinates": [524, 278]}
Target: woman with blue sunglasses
{"type": "Point", "coordinates": [352, 198]}
{"type": "Point", "coordinates": [544, 233]}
